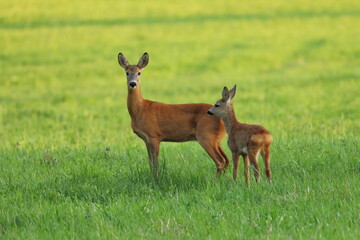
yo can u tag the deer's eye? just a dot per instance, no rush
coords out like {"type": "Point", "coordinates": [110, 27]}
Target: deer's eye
{"type": "Point", "coordinates": [127, 73]}
{"type": "Point", "coordinates": [216, 105]}
{"type": "Point", "coordinates": [139, 73]}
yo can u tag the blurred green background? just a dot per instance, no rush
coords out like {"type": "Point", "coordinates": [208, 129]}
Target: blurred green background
{"type": "Point", "coordinates": [296, 64]}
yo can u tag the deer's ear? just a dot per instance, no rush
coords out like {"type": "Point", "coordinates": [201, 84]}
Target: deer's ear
{"type": "Point", "coordinates": [144, 60]}
{"type": "Point", "coordinates": [123, 62]}
{"type": "Point", "coordinates": [225, 94]}
{"type": "Point", "coordinates": [232, 92]}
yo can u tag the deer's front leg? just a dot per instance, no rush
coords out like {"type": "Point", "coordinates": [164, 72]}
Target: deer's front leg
{"type": "Point", "coordinates": [153, 147]}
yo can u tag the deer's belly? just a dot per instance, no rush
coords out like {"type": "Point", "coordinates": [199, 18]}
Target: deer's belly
{"type": "Point", "coordinates": [179, 139]}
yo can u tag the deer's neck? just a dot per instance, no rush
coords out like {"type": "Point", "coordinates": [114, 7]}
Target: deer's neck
{"type": "Point", "coordinates": [230, 119]}
{"type": "Point", "coordinates": [134, 101]}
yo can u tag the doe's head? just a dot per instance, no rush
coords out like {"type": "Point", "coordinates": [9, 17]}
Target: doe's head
{"type": "Point", "coordinates": [133, 72]}
{"type": "Point", "coordinates": [222, 106]}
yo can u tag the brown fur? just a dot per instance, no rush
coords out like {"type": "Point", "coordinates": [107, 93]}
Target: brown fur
{"type": "Point", "coordinates": [243, 139]}
{"type": "Point", "coordinates": [155, 122]}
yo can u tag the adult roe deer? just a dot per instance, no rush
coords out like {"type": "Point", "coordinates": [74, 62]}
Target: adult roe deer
{"type": "Point", "coordinates": [156, 122]}
{"type": "Point", "coordinates": [243, 139]}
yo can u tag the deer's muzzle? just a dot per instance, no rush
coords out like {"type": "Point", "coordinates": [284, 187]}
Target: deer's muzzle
{"type": "Point", "coordinates": [132, 85]}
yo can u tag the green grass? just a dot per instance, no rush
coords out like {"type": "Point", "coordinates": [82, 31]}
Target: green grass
{"type": "Point", "coordinates": [71, 168]}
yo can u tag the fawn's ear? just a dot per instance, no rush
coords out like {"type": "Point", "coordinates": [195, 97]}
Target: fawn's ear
{"type": "Point", "coordinates": [144, 60]}
{"type": "Point", "coordinates": [225, 94]}
{"type": "Point", "coordinates": [123, 62]}
{"type": "Point", "coordinates": [232, 92]}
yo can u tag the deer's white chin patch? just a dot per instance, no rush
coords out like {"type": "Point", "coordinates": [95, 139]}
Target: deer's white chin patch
{"type": "Point", "coordinates": [132, 87]}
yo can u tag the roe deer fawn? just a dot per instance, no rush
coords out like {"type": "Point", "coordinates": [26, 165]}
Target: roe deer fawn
{"type": "Point", "coordinates": [243, 139]}
{"type": "Point", "coordinates": [155, 122]}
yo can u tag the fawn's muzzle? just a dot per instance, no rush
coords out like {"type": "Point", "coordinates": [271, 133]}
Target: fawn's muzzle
{"type": "Point", "coordinates": [210, 113]}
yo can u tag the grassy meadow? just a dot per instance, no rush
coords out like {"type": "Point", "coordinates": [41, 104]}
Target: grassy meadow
{"type": "Point", "coordinates": [71, 167]}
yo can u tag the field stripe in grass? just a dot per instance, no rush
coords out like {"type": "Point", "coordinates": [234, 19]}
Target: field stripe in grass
{"type": "Point", "coordinates": [167, 20]}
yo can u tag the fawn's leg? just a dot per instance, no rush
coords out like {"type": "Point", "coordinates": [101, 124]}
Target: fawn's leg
{"type": "Point", "coordinates": [265, 154]}
{"type": "Point", "coordinates": [246, 170]}
{"type": "Point", "coordinates": [235, 157]}
{"type": "Point", "coordinates": [253, 155]}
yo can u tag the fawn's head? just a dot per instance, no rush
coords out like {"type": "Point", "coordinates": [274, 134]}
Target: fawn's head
{"type": "Point", "coordinates": [133, 72]}
{"type": "Point", "coordinates": [222, 106]}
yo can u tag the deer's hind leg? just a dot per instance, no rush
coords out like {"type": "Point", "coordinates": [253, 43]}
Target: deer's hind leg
{"type": "Point", "coordinates": [223, 154]}
{"type": "Point", "coordinates": [210, 146]}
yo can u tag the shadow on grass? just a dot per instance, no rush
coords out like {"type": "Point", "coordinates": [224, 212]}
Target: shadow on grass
{"type": "Point", "coordinates": [103, 186]}
{"type": "Point", "coordinates": [137, 184]}
{"type": "Point", "coordinates": [104, 174]}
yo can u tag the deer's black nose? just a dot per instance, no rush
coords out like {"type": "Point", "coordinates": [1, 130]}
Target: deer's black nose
{"type": "Point", "coordinates": [210, 113]}
{"type": "Point", "coordinates": [132, 84]}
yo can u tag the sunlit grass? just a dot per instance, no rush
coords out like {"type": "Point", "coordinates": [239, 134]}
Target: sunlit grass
{"type": "Point", "coordinates": [71, 167]}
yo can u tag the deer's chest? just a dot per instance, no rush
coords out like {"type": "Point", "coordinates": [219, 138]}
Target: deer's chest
{"type": "Point", "coordinates": [144, 129]}
{"type": "Point", "coordinates": [238, 144]}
